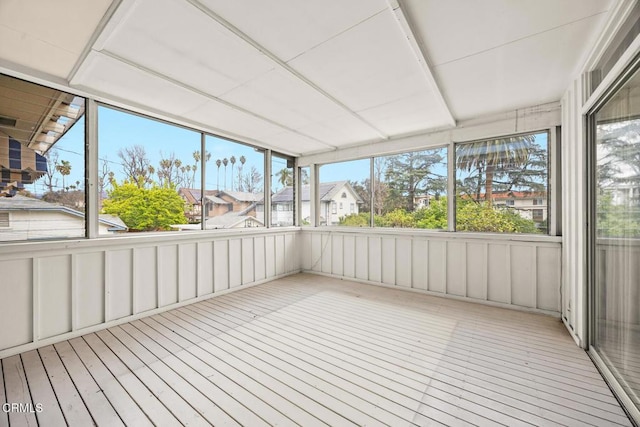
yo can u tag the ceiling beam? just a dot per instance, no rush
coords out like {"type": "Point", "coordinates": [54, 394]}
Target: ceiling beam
{"type": "Point", "coordinates": [283, 65]}
{"type": "Point", "coordinates": [111, 10]}
{"type": "Point", "coordinates": [416, 44]}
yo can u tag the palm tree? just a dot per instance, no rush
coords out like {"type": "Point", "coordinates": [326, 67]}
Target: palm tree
{"type": "Point", "coordinates": [285, 177]}
{"type": "Point", "coordinates": [232, 160]}
{"type": "Point", "coordinates": [225, 162]}
{"type": "Point", "coordinates": [65, 169]}
{"type": "Point", "coordinates": [243, 159]}
{"type": "Point", "coordinates": [218, 163]}
{"type": "Point", "coordinates": [491, 155]}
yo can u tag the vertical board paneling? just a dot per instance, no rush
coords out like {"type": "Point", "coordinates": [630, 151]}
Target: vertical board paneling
{"type": "Point", "coordinates": [16, 297]}
{"type": "Point", "coordinates": [477, 270]}
{"type": "Point", "coordinates": [403, 263]}
{"type": "Point", "coordinates": [220, 265]}
{"type": "Point", "coordinates": [247, 260]}
{"type": "Point", "coordinates": [325, 253]}
{"type": "Point", "coordinates": [235, 263]}
{"type": "Point", "coordinates": [388, 260]}
{"type": "Point", "coordinates": [145, 279]}
{"type": "Point", "coordinates": [270, 248]}
{"type": "Point", "coordinates": [362, 257]}
{"type": "Point", "coordinates": [205, 268]}
{"type": "Point", "coordinates": [307, 251]}
{"type": "Point", "coordinates": [548, 296]}
{"type": "Point", "coordinates": [499, 282]}
{"type": "Point", "coordinates": [89, 298]}
{"type": "Point", "coordinates": [316, 252]}
{"type": "Point", "coordinates": [349, 247]}
{"type": "Point", "coordinates": [523, 259]}
{"type": "Point", "coordinates": [437, 266]}
{"type": "Point", "coordinates": [259, 258]}
{"type": "Point", "coordinates": [168, 275]}
{"type": "Point", "coordinates": [337, 255]}
{"type": "Point", "coordinates": [187, 271]}
{"type": "Point", "coordinates": [375, 259]}
{"type": "Point", "coordinates": [119, 283]}
{"type": "Point", "coordinates": [291, 253]}
{"type": "Point", "coordinates": [419, 264]}
{"type": "Point", "coordinates": [280, 254]}
{"type": "Point", "coordinates": [457, 268]}
{"type": "Point", "coordinates": [55, 295]}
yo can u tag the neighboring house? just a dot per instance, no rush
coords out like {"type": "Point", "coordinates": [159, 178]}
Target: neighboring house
{"type": "Point", "coordinates": [223, 209]}
{"type": "Point", "coordinates": [421, 201]}
{"type": "Point", "coordinates": [530, 205]}
{"type": "Point", "coordinates": [25, 218]}
{"type": "Point", "coordinates": [337, 199]}
{"type": "Point", "coordinates": [217, 202]}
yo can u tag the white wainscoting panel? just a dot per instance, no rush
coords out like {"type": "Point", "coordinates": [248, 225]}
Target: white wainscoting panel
{"type": "Point", "coordinates": [51, 291]}
{"type": "Point", "coordinates": [514, 270]}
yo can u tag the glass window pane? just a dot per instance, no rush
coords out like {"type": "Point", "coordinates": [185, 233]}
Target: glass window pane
{"type": "Point", "coordinates": [305, 205]}
{"type": "Point", "coordinates": [148, 172]}
{"type": "Point", "coordinates": [282, 200]}
{"type": "Point", "coordinates": [234, 196]}
{"type": "Point", "coordinates": [343, 184]}
{"type": "Point", "coordinates": [617, 236]}
{"type": "Point", "coordinates": [41, 163]}
{"type": "Point", "coordinates": [501, 185]}
{"type": "Point", "coordinates": [411, 189]}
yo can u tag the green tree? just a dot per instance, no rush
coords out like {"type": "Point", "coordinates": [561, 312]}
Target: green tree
{"type": "Point", "coordinates": [225, 162]}
{"type": "Point", "coordinates": [65, 169]}
{"type": "Point", "coordinates": [410, 174]}
{"type": "Point", "coordinates": [285, 177]}
{"type": "Point", "coordinates": [486, 158]}
{"type": "Point", "coordinates": [356, 220]}
{"type": "Point", "coordinates": [232, 160]}
{"type": "Point", "coordinates": [218, 163]}
{"type": "Point", "coordinates": [473, 216]}
{"type": "Point", "coordinates": [145, 209]}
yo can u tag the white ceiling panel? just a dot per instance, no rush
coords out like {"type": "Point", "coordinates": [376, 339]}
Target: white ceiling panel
{"type": "Point", "coordinates": [340, 130]}
{"type": "Point", "coordinates": [531, 71]}
{"type": "Point", "coordinates": [174, 38]}
{"type": "Point", "coordinates": [105, 75]}
{"type": "Point", "coordinates": [220, 116]}
{"type": "Point", "coordinates": [281, 97]}
{"type": "Point", "coordinates": [369, 65]}
{"type": "Point", "coordinates": [289, 28]}
{"type": "Point", "coordinates": [454, 30]}
{"type": "Point", "coordinates": [290, 142]}
{"type": "Point", "coordinates": [48, 36]}
{"type": "Point", "coordinates": [408, 115]}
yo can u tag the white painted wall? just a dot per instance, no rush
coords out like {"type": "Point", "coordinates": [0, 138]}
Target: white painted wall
{"type": "Point", "coordinates": [56, 290]}
{"type": "Point", "coordinates": [515, 271]}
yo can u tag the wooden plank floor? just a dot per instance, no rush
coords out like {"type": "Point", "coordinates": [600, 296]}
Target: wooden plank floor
{"type": "Point", "coordinates": [309, 350]}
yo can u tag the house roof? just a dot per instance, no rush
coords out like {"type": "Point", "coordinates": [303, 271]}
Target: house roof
{"type": "Point", "coordinates": [242, 196]}
{"type": "Point", "coordinates": [217, 200]}
{"type": "Point", "coordinates": [23, 203]}
{"type": "Point", "coordinates": [229, 220]}
{"type": "Point", "coordinates": [327, 191]}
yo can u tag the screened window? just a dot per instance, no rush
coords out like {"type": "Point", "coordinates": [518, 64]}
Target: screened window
{"type": "Point", "coordinates": [42, 162]}
{"type": "Point", "coordinates": [282, 186]}
{"type": "Point", "coordinates": [514, 169]}
{"type": "Point", "coordinates": [149, 174]}
{"type": "Point", "coordinates": [410, 189]}
{"type": "Point", "coordinates": [340, 185]}
{"type": "Point", "coordinates": [234, 185]}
